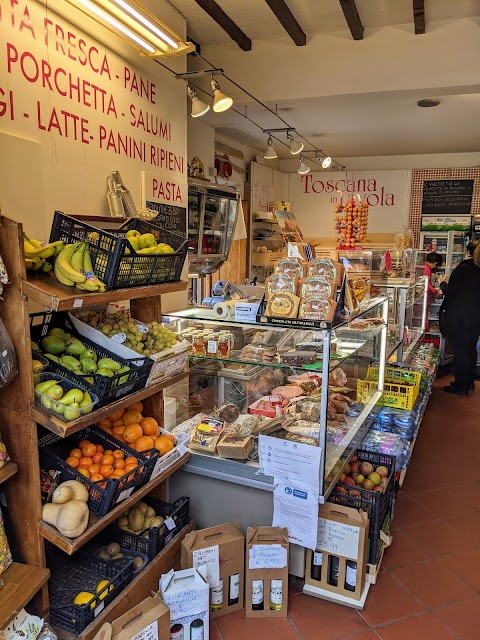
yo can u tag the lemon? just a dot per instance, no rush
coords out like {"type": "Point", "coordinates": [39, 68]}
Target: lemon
{"type": "Point", "coordinates": [101, 585]}
{"type": "Point", "coordinates": [84, 597]}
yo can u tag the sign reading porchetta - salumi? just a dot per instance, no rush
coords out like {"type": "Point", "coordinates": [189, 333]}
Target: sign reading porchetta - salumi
{"type": "Point", "coordinates": [313, 198]}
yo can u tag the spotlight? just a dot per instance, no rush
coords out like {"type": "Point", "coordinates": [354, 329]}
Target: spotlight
{"type": "Point", "coordinates": [296, 146]}
{"type": "Point", "coordinates": [325, 160]}
{"type": "Point", "coordinates": [221, 102]}
{"type": "Point", "coordinates": [303, 168]}
{"type": "Point", "coordinates": [198, 106]}
{"type": "Point", "coordinates": [270, 153]}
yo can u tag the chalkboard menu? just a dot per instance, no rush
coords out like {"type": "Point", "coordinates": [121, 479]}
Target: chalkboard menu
{"type": "Point", "coordinates": [169, 217]}
{"type": "Point", "coordinates": [452, 197]}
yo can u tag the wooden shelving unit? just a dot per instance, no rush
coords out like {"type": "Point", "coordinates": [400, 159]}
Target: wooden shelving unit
{"type": "Point", "coordinates": [19, 420]}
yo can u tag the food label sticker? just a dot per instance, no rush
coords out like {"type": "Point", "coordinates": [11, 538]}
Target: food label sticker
{"type": "Point", "coordinates": [119, 338]}
{"type": "Point", "coordinates": [99, 609]}
{"type": "Point", "coordinates": [142, 328]}
{"type": "Point", "coordinates": [124, 495]}
{"type": "Point", "coordinates": [246, 312]}
{"type": "Point", "coordinates": [170, 524]}
{"type": "Point", "coordinates": [212, 346]}
{"type": "Point", "coordinates": [77, 303]}
{"type": "Point", "coordinates": [89, 275]}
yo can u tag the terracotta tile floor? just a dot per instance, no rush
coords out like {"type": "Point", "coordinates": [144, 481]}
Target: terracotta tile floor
{"type": "Point", "coordinates": [429, 587]}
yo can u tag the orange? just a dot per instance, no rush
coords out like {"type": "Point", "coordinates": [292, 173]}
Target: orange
{"type": "Point", "coordinates": [107, 460]}
{"type": "Point", "coordinates": [108, 452]}
{"type": "Point", "coordinates": [106, 470]}
{"type": "Point", "coordinates": [106, 429]}
{"type": "Point", "coordinates": [93, 469]}
{"type": "Point", "coordinates": [118, 473]}
{"type": "Point", "coordinates": [118, 454]}
{"type": "Point", "coordinates": [163, 444]}
{"type": "Point", "coordinates": [149, 427]}
{"type": "Point", "coordinates": [119, 464]}
{"type": "Point", "coordinates": [83, 443]}
{"type": "Point", "coordinates": [170, 437]}
{"type": "Point", "coordinates": [73, 461]}
{"type": "Point", "coordinates": [132, 417]}
{"type": "Point", "coordinates": [118, 423]}
{"type": "Point", "coordinates": [84, 472]}
{"type": "Point", "coordinates": [104, 422]}
{"type": "Point", "coordinates": [97, 457]}
{"type": "Point", "coordinates": [143, 444]}
{"type": "Point", "coordinates": [118, 431]}
{"type": "Point", "coordinates": [100, 447]}
{"type": "Point", "coordinates": [117, 415]}
{"type": "Point", "coordinates": [133, 432]}
{"type": "Point", "coordinates": [89, 450]}
{"type": "Point", "coordinates": [121, 439]}
{"type": "Point", "coordinates": [96, 477]}
{"type": "Point", "coordinates": [137, 406]}
{"type": "Point", "coordinates": [85, 462]}
{"type": "Point", "coordinates": [131, 460]}
{"type": "Point", "coordinates": [76, 453]}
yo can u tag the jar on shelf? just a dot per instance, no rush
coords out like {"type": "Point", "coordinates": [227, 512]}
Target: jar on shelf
{"type": "Point", "coordinates": [224, 345]}
{"type": "Point", "coordinates": [198, 344]}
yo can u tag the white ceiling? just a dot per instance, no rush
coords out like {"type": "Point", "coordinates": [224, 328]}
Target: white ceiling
{"type": "Point", "coordinates": [349, 98]}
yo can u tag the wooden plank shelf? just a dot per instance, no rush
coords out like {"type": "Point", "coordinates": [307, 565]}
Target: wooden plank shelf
{"type": "Point", "coordinates": [21, 583]}
{"type": "Point", "coordinates": [7, 471]}
{"type": "Point", "coordinates": [50, 294]}
{"type": "Point", "coordinates": [65, 429]}
{"type": "Point", "coordinates": [96, 524]}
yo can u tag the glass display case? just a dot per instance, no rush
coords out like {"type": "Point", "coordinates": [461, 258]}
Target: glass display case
{"type": "Point", "coordinates": [299, 384]}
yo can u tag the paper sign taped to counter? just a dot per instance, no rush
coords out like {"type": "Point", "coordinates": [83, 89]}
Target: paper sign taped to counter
{"type": "Point", "coordinates": [337, 538]}
{"type": "Point", "coordinates": [208, 558]}
{"type": "Point", "coordinates": [295, 506]}
{"type": "Point", "coordinates": [267, 556]}
{"type": "Point", "coordinates": [289, 461]}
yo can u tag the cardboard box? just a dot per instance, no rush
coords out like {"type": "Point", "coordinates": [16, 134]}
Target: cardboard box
{"type": "Point", "coordinates": [342, 538]}
{"type": "Point", "coordinates": [186, 593]}
{"type": "Point", "coordinates": [235, 447]}
{"type": "Point", "coordinates": [266, 561]}
{"type": "Point", "coordinates": [149, 619]}
{"type": "Point", "coordinates": [221, 550]}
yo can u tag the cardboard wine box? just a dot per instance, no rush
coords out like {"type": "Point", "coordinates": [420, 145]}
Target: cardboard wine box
{"type": "Point", "coordinates": [266, 573]}
{"type": "Point", "coordinates": [149, 619]}
{"type": "Point", "coordinates": [186, 594]}
{"type": "Point", "coordinates": [221, 550]}
{"type": "Point", "coordinates": [342, 542]}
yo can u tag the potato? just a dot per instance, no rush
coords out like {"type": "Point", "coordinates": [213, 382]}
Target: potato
{"type": "Point", "coordinates": [136, 520]}
{"type": "Point", "coordinates": [146, 524]}
{"type": "Point", "coordinates": [142, 507]}
{"type": "Point", "coordinates": [156, 522]}
{"type": "Point", "coordinates": [150, 512]}
{"type": "Point", "coordinates": [122, 521]}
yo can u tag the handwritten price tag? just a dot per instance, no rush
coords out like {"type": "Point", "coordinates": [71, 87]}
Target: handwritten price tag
{"type": "Point", "coordinates": [267, 556]}
{"type": "Point", "coordinates": [209, 559]}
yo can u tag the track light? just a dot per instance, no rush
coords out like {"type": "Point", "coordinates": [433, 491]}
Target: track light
{"type": "Point", "coordinates": [325, 160]}
{"type": "Point", "coordinates": [303, 168]}
{"type": "Point", "coordinates": [134, 24]}
{"type": "Point", "coordinates": [296, 146]}
{"type": "Point", "coordinates": [221, 102]}
{"type": "Point", "coordinates": [270, 153]}
{"type": "Point", "coordinates": [198, 106]}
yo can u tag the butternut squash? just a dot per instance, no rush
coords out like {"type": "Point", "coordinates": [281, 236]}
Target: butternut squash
{"type": "Point", "coordinates": [70, 490]}
{"type": "Point", "coordinates": [70, 518]}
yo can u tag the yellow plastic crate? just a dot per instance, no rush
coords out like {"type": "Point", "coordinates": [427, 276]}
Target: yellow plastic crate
{"type": "Point", "coordinates": [397, 393]}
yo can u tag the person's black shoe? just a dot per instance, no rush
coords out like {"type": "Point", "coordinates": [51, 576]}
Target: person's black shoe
{"type": "Point", "coordinates": [453, 389]}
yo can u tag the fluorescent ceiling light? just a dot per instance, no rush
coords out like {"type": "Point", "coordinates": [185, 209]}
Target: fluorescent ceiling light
{"type": "Point", "coordinates": [134, 24]}
{"type": "Point", "coordinates": [198, 106]}
{"type": "Point", "coordinates": [303, 168]}
{"type": "Point", "coordinates": [221, 102]}
{"type": "Point", "coordinates": [270, 153]}
{"type": "Point", "coordinates": [296, 146]}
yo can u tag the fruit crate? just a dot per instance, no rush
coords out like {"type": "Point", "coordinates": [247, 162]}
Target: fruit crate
{"type": "Point", "coordinates": [107, 389]}
{"type": "Point", "coordinates": [128, 553]}
{"type": "Point", "coordinates": [111, 262]}
{"type": "Point", "coordinates": [378, 505]}
{"type": "Point", "coordinates": [49, 406]}
{"type": "Point", "coordinates": [106, 494]}
{"type": "Point", "coordinates": [152, 541]}
{"type": "Point", "coordinates": [401, 387]}
{"type": "Point", "coordinates": [82, 572]}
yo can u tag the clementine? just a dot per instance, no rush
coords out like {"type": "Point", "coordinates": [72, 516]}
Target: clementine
{"type": "Point", "coordinates": [133, 432]}
{"type": "Point", "coordinates": [132, 417]}
{"type": "Point", "coordinates": [97, 457]}
{"type": "Point", "coordinates": [82, 443]}
{"type": "Point", "coordinates": [163, 444]}
{"type": "Point", "coordinates": [119, 464]}
{"type": "Point", "coordinates": [100, 447]}
{"type": "Point", "coordinates": [131, 460]}
{"type": "Point", "coordinates": [106, 429]}
{"type": "Point", "coordinates": [96, 477]}
{"type": "Point", "coordinates": [106, 470]}
{"type": "Point", "coordinates": [89, 450]}
{"type": "Point", "coordinates": [107, 460]}
{"type": "Point", "coordinates": [118, 454]}
{"type": "Point", "coordinates": [93, 469]}
{"type": "Point", "coordinates": [149, 427]}
{"type": "Point", "coordinates": [76, 453]}
{"type": "Point", "coordinates": [73, 461]}
{"type": "Point", "coordinates": [84, 472]}
{"type": "Point", "coordinates": [85, 462]}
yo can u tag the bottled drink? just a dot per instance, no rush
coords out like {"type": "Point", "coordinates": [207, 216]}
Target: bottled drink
{"type": "Point", "coordinates": [351, 575]}
{"type": "Point", "coordinates": [233, 589]}
{"type": "Point", "coordinates": [333, 571]}
{"type": "Point", "coordinates": [217, 597]}
{"type": "Point", "coordinates": [197, 630]}
{"type": "Point", "coordinates": [176, 632]}
{"type": "Point", "coordinates": [316, 568]}
{"type": "Point", "coordinates": [257, 595]}
{"type": "Point", "coordinates": [276, 595]}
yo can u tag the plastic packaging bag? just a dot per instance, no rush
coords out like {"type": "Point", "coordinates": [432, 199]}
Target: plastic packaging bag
{"type": "Point", "coordinates": [8, 359]}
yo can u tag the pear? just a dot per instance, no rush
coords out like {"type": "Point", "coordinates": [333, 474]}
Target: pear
{"type": "Point", "coordinates": [135, 243]}
{"type": "Point", "coordinates": [147, 240]}
{"type": "Point", "coordinates": [60, 333]}
{"type": "Point", "coordinates": [50, 356]}
{"type": "Point", "coordinates": [88, 354]}
{"type": "Point", "coordinates": [55, 392]}
{"type": "Point", "coordinates": [73, 396]}
{"type": "Point", "coordinates": [89, 366]}
{"type": "Point", "coordinates": [70, 362]}
{"type": "Point", "coordinates": [85, 404]}
{"type": "Point", "coordinates": [123, 378]}
{"type": "Point", "coordinates": [37, 366]}
{"type": "Point", "coordinates": [72, 412]}
{"type": "Point", "coordinates": [34, 346]}
{"type": "Point", "coordinates": [108, 363]}
{"type": "Point", "coordinates": [133, 233]}
{"type": "Point", "coordinates": [75, 348]}
{"type": "Point", "coordinates": [47, 403]}
{"type": "Point", "coordinates": [42, 387]}
{"type": "Point", "coordinates": [106, 373]}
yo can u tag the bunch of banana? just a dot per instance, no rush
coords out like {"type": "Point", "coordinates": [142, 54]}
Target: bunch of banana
{"type": "Point", "coordinates": [36, 253]}
{"type": "Point", "coordinates": [73, 267]}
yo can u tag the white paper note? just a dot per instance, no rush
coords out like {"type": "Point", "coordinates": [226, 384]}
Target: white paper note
{"type": "Point", "coordinates": [289, 461]}
{"type": "Point", "coordinates": [338, 538]}
{"type": "Point", "coordinates": [149, 633]}
{"type": "Point", "coordinates": [267, 556]}
{"type": "Point", "coordinates": [246, 311]}
{"type": "Point", "coordinates": [209, 559]}
{"type": "Point", "coordinates": [295, 506]}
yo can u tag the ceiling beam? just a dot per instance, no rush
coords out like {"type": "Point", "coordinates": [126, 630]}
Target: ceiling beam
{"type": "Point", "coordinates": [350, 12]}
{"type": "Point", "coordinates": [288, 21]}
{"type": "Point", "coordinates": [419, 16]}
{"type": "Point", "coordinates": [227, 24]}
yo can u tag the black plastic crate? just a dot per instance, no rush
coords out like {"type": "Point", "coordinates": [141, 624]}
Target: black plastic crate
{"type": "Point", "coordinates": [108, 390]}
{"type": "Point", "coordinates": [82, 572]}
{"type": "Point", "coordinates": [114, 260]}
{"type": "Point", "coordinates": [377, 505]}
{"type": "Point", "coordinates": [157, 538]}
{"type": "Point", "coordinates": [106, 494]}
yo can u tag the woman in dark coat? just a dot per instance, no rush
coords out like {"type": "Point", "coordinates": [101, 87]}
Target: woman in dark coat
{"type": "Point", "coordinates": [460, 318]}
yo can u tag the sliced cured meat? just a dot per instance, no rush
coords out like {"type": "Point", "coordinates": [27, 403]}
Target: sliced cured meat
{"type": "Point", "coordinates": [338, 378]}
